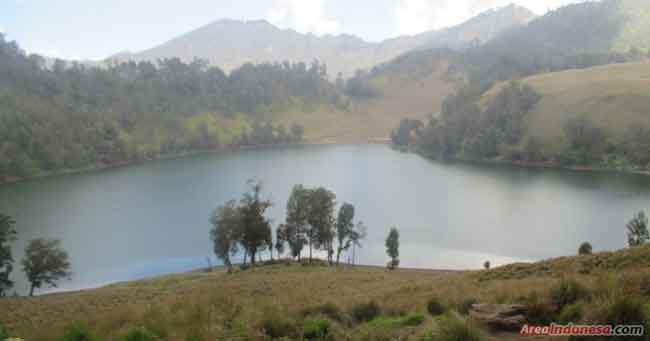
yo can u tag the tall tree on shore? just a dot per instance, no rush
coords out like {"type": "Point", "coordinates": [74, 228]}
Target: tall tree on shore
{"type": "Point", "coordinates": [280, 239]}
{"type": "Point", "coordinates": [392, 248]}
{"type": "Point", "coordinates": [347, 232]}
{"type": "Point", "coordinates": [637, 230]}
{"type": "Point", "coordinates": [321, 221]}
{"type": "Point", "coordinates": [255, 226]}
{"type": "Point", "coordinates": [7, 236]}
{"type": "Point", "coordinates": [356, 237]}
{"type": "Point", "coordinates": [45, 263]}
{"type": "Point", "coordinates": [295, 227]}
{"type": "Point", "coordinates": [226, 232]}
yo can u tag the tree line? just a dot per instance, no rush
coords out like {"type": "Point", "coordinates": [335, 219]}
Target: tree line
{"type": "Point", "coordinates": [44, 264]}
{"type": "Point", "coordinates": [310, 224]}
{"type": "Point", "coordinates": [57, 115]}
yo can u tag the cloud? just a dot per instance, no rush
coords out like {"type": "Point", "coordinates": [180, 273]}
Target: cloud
{"type": "Point", "coordinates": [415, 16]}
{"type": "Point", "coordinates": [2, 30]}
{"type": "Point", "coordinates": [303, 16]}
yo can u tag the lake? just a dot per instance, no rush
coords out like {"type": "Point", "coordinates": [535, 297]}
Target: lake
{"type": "Point", "coordinates": [152, 218]}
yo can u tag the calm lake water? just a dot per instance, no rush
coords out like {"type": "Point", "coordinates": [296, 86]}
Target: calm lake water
{"type": "Point", "coordinates": [152, 218]}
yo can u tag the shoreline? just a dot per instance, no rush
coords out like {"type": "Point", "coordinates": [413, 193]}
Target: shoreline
{"type": "Point", "coordinates": [322, 142]}
{"type": "Point", "coordinates": [176, 156]}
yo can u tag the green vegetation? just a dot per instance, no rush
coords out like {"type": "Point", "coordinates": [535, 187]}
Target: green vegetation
{"type": "Point", "coordinates": [435, 307]}
{"type": "Point", "coordinates": [637, 230]}
{"type": "Point", "coordinates": [78, 331]}
{"type": "Point", "coordinates": [454, 328]}
{"type": "Point", "coordinates": [310, 220]}
{"type": "Point", "coordinates": [7, 236]}
{"type": "Point", "coordinates": [70, 117]}
{"type": "Point", "coordinates": [45, 263]}
{"type": "Point", "coordinates": [585, 249]}
{"type": "Point", "coordinates": [366, 311]}
{"type": "Point", "coordinates": [392, 248]}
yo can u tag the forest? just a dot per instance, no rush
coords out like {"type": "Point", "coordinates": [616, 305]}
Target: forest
{"type": "Point", "coordinates": [57, 116]}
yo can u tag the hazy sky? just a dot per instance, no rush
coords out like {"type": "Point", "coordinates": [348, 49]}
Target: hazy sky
{"type": "Point", "coordinates": [94, 29]}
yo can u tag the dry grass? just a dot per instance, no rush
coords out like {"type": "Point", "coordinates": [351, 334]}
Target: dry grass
{"type": "Point", "coordinates": [613, 97]}
{"type": "Point", "coordinates": [217, 305]}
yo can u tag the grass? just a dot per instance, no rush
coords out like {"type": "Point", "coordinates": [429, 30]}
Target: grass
{"type": "Point", "coordinates": [613, 97]}
{"type": "Point", "coordinates": [287, 299]}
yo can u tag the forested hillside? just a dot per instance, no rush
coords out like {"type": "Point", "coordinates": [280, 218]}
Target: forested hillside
{"type": "Point", "coordinates": [71, 117]}
{"type": "Point", "coordinates": [555, 118]}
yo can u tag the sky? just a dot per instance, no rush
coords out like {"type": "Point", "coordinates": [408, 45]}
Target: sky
{"type": "Point", "coordinates": [95, 29]}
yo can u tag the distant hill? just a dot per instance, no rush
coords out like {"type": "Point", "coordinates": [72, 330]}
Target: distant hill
{"type": "Point", "coordinates": [614, 98]}
{"type": "Point", "coordinates": [231, 43]}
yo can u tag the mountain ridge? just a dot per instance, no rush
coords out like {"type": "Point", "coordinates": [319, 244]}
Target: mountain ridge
{"type": "Point", "coordinates": [258, 41]}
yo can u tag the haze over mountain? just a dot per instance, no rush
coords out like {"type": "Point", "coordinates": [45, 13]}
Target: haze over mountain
{"type": "Point", "coordinates": [231, 43]}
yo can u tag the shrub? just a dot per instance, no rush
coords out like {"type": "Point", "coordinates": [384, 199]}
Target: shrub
{"type": "Point", "coordinates": [466, 305]}
{"type": "Point", "coordinates": [452, 328]}
{"type": "Point", "coordinates": [411, 320]}
{"type": "Point", "coordinates": [626, 310]}
{"type": "Point", "coordinates": [539, 310]}
{"type": "Point", "coordinates": [572, 313]}
{"type": "Point", "coordinates": [4, 333]}
{"type": "Point", "coordinates": [568, 291]}
{"type": "Point", "coordinates": [389, 322]}
{"type": "Point", "coordinates": [329, 310]}
{"type": "Point", "coordinates": [315, 328]}
{"type": "Point", "coordinates": [435, 307]}
{"type": "Point", "coordinates": [364, 312]}
{"type": "Point", "coordinates": [276, 327]}
{"type": "Point", "coordinates": [139, 334]}
{"type": "Point", "coordinates": [77, 331]}
{"type": "Point", "coordinates": [585, 249]}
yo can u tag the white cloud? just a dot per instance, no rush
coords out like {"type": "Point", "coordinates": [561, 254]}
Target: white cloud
{"type": "Point", "coordinates": [415, 16]}
{"type": "Point", "coordinates": [2, 30]}
{"type": "Point", "coordinates": [303, 16]}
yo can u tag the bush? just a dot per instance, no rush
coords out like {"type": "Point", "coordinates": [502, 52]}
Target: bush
{"type": "Point", "coordinates": [626, 310]}
{"type": "Point", "coordinates": [466, 305]}
{"type": "Point", "coordinates": [539, 310]}
{"type": "Point", "coordinates": [388, 322]}
{"type": "Point", "coordinates": [316, 328]}
{"type": "Point", "coordinates": [411, 320]}
{"type": "Point", "coordinates": [139, 334]}
{"type": "Point", "coordinates": [572, 313]}
{"type": "Point", "coordinates": [568, 291]}
{"type": "Point", "coordinates": [77, 331]}
{"type": "Point", "coordinates": [364, 312]}
{"type": "Point", "coordinates": [435, 307]}
{"type": "Point", "coordinates": [585, 249]}
{"type": "Point", "coordinates": [329, 310]}
{"type": "Point", "coordinates": [276, 327]}
{"type": "Point", "coordinates": [452, 328]}
{"type": "Point", "coordinates": [4, 333]}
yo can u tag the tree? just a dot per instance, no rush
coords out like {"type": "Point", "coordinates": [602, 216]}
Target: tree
{"type": "Point", "coordinates": [7, 236]}
{"type": "Point", "coordinates": [487, 265]}
{"type": "Point", "coordinates": [280, 239]}
{"type": "Point", "coordinates": [356, 237]}
{"type": "Point", "coordinates": [585, 249]}
{"type": "Point", "coordinates": [347, 233]}
{"type": "Point", "coordinates": [392, 248]}
{"type": "Point", "coordinates": [294, 230]}
{"type": "Point", "coordinates": [45, 263]}
{"type": "Point", "coordinates": [297, 132]}
{"type": "Point", "coordinates": [637, 230]}
{"type": "Point", "coordinates": [255, 226]}
{"type": "Point", "coordinates": [226, 232]}
{"type": "Point", "coordinates": [321, 221]}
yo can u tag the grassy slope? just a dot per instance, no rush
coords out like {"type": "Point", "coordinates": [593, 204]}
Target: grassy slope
{"type": "Point", "coordinates": [207, 301]}
{"type": "Point", "coordinates": [613, 97]}
{"type": "Point", "coordinates": [404, 96]}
